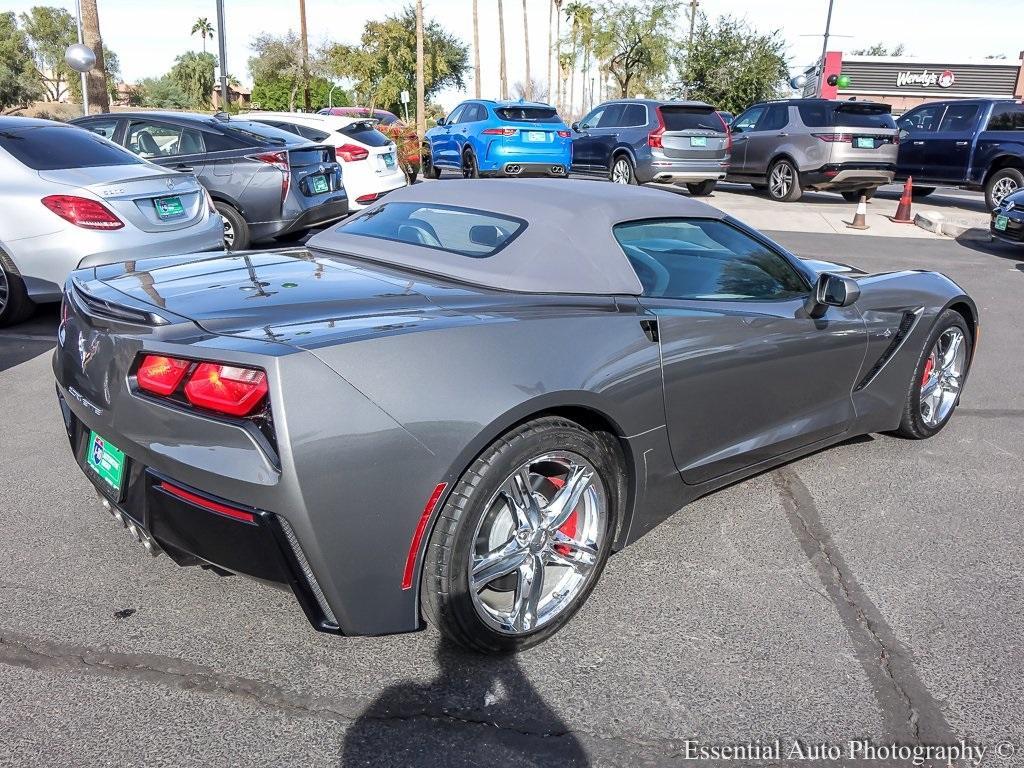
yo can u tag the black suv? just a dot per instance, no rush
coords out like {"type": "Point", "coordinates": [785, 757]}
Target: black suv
{"type": "Point", "coordinates": [266, 183]}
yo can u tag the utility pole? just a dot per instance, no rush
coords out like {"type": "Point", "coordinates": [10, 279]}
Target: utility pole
{"type": "Point", "coordinates": [85, 82]}
{"type": "Point", "coordinates": [476, 51]}
{"type": "Point", "coordinates": [421, 106]}
{"type": "Point", "coordinates": [824, 48]}
{"type": "Point", "coordinates": [222, 50]}
{"type": "Point", "coordinates": [305, 54]}
{"type": "Point", "coordinates": [689, 45]}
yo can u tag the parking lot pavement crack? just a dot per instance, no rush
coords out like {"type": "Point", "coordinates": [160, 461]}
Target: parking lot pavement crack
{"type": "Point", "coordinates": [908, 709]}
{"type": "Point", "coordinates": [21, 650]}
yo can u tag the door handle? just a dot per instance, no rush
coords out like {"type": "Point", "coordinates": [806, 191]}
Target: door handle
{"type": "Point", "coordinates": [917, 143]}
{"type": "Point", "coordinates": [183, 168]}
{"type": "Point", "coordinates": [962, 143]}
{"type": "Point", "coordinates": [782, 134]}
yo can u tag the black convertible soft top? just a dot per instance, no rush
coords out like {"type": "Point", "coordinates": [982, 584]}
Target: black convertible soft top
{"type": "Point", "coordinates": [567, 245]}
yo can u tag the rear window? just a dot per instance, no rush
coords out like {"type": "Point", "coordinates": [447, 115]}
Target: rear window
{"type": "Point", "coordinates": [848, 114]}
{"type": "Point", "coordinates": [366, 134]}
{"type": "Point", "coordinates": [1007, 117]}
{"type": "Point", "coordinates": [527, 114]}
{"type": "Point", "coordinates": [465, 231]}
{"type": "Point", "coordinates": [257, 132]}
{"type": "Point", "coordinates": [53, 148]}
{"type": "Point", "coordinates": [691, 119]}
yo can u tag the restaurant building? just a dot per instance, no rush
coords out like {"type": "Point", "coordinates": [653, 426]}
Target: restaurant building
{"type": "Point", "coordinates": [906, 82]}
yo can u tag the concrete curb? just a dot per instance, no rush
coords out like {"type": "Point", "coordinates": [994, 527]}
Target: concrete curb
{"type": "Point", "coordinates": [954, 226]}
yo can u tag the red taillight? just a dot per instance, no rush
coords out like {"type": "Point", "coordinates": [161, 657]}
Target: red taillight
{"type": "Point", "coordinates": [350, 152]}
{"type": "Point", "coordinates": [280, 161]}
{"type": "Point", "coordinates": [833, 138]}
{"type": "Point", "coordinates": [654, 137]}
{"type": "Point", "coordinates": [500, 131]}
{"type": "Point", "coordinates": [367, 198]}
{"type": "Point", "coordinates": [82, 212]}
{"type": "Point", "coordinates": [226, 389]}
{"type": "Point", "coordinates": [201, 501]}
{"type": "Point", "coordinates": [728, 132]}
{"type": "Point", "coordinates": [564, 134]}
{"type": "Point", "coordinates": [161, 375]}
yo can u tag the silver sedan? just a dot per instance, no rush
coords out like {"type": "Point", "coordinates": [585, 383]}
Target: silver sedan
{"type": "Point", "coordinates": [70, 199]}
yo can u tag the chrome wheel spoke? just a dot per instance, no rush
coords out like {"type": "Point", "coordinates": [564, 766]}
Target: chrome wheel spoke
{"type": "Point", "coordinates": [529, 592]}
{"type": "Point", "coordinates": [940, 391]}
{"type": "Point", "coordinates": [557, 512]}
{"type": "Point", "coordinates": [501, 562]}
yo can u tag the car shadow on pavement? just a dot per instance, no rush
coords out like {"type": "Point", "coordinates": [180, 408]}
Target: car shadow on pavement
{"type": "Point", "coordinates": [978, 239]}
{"type": "Point", "coordinates": [477, 710]}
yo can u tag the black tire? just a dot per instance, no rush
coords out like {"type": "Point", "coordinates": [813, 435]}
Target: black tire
{"type": "Point", "coordinates": [912, 424]}
{"type": "Point", "coordinates": [445, 593]}
{"type": "Point", "coordinates": [622, 170]}
{"type": "Point", "coordinates": [236, 229]}
{"type": "Point", "coordinates": [1003, 182]}
{"type": "Point", "coordinates": [15, 305]}
{"type": "Point", "coordinates": [853, 195]}
{"type": "Point", "coordinates": [787, 193]}
{"type": "Point", "coordinates": [920, 192]}
{"type": "Point", "coordinates": [470, 169]}
{"type": "Point", "coordinates": [702, 189]}
{"type": "Point", "coordinates": [430, 171]}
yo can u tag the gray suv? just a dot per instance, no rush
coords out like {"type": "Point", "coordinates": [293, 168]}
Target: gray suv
{"type": "Point", "coordinates": [636, 141]}
{"type": "Point", "coordinates": [786, 147]}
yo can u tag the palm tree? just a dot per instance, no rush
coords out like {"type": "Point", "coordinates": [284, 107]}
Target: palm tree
{"type": "Point", "coordinates": [551, 52]}
{"type": "Point", "coordinates": [578, 13]}
{"type": "Point", "coordinates": [526, 42]}
{"type": "Point", "coordinates": [96, 79]}
{"type": "Point", "coordinates": [560, 98]}
{"type": "Point", "coordinates": [502, 73]}
{"type": "Point", "coordinates": [421, 106]}
{"type": "Point", "coordinates": [476, 52]}
{"type": "Point", "coordinates": [204, 29]}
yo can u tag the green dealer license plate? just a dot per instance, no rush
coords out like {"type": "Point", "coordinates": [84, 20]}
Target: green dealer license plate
{"type": "Point", "coordinates": [169, 207]}
{"type": "Point", "coordinates": [698, 141]}
{"type": "Point", "coordinates": [106, 460]}
{"type": "Point", "coordinates": [319, 185]}
{"type": "Point", "coordinates": [865, 142]}
{"type": "Point", "coordinates": [1001, 222]}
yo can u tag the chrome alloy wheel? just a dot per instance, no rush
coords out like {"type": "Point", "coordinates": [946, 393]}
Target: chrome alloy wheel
{"type": "Point", "coordinates": [1005, 186]}
{"type": "Point", "coordinates": [5, 290]}
{"type": "Point", "coordinates": [537, 545]}
{"type": "Point", "coordinates": [229, 233]}
{"type": "Point", "coordinates": [621, 172]}
{"type": "Point", "coordinates": [781, 180]}
{"type": "Point", "coordinates": [943, 377]}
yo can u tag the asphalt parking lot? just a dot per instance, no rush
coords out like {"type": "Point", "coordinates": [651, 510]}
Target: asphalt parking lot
{"type": "Point", "coordinates": [873, 590]}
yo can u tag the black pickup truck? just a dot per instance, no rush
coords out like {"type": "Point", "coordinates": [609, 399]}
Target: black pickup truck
{"type": "Point", "coordinates": [972, 143]}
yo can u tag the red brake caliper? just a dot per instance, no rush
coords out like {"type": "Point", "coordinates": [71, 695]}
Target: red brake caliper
{"type": "Point", "coordinates": [929, 364]}
{"type": "Point", "coordinates": [569, 526]}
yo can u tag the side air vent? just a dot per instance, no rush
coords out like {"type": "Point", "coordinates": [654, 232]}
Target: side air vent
{"type": "Point", "coordinates": [307, 571]}
{"type": "Point", "coordinates": [906, 323]}
{"type": "Point", "coordinates": [108, 310]}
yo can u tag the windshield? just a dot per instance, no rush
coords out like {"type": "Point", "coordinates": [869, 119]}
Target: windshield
{"type": "Point", "coordinates": [58, 147]}
{"type": "Point", "coordinates": [466, 231]}
{"type": "Point", "coordinates": [527, 114]}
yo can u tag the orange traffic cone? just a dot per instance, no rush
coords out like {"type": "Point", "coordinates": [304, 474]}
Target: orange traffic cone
{"type": "Point", "coordinates": [903, 215]}
{"type": "Point", "coordinates": [860, 219]}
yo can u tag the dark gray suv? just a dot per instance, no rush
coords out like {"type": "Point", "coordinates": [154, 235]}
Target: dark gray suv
{"type": "Point", "coordinates": [265, 183]}
{"type": "Point", "coordinates": [636, 141]}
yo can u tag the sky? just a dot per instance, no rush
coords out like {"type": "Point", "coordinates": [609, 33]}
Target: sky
{"type": "Point", "coordinates": [941, 30]}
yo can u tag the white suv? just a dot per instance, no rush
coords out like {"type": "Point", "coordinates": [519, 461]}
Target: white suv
{"type": "Point", "coordinates": [368, 158]}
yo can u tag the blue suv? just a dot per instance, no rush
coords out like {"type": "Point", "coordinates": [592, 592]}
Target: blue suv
{"type": "Point", "coordinates": [499, 138]}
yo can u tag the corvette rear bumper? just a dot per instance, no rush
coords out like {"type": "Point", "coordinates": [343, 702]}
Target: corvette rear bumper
{"type": "Point", "coordinates": [196, 528]}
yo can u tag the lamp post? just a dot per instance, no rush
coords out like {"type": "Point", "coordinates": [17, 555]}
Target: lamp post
{"type": "Point", "coordinates": [81, 58]}
{"type": "Point", "coordinates": [222, 49]}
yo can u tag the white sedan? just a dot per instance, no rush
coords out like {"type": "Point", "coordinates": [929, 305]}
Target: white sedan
{"type": "Point", "coordinates": [369, 159]}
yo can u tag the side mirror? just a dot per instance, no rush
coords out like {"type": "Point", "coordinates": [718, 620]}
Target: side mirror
{"type": "Point", "coordinates": [576, 127]}
{"type": "Point", "coordinates": [831, 291]}
{"type": "Point", "coordinates": [904, 134]}
{"type": "Point", "coordinates": [735, 128]}
{"type": "Point", "coordinates": [440, 121]}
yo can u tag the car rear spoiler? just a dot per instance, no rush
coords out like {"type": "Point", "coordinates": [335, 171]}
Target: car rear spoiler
{"type": "Point", "coordinates": [864, 107]}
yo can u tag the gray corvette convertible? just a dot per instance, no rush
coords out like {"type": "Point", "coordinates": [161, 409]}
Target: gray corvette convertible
{"type": "Point", "coordinates": [452, 407]}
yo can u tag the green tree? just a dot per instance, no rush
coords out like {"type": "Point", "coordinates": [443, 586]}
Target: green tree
{"type": "Point", "coordinates": [193, 74]}
{"type": "Point", "coordinates": [276, 94]}
{"type": "Point", "coordinates": [879, 49]}
{"type": "Point", "coordinates": [19, 79]}
{"type": "Point", "coordinates": [732, 65]}
{"type": "Point", "coordinates": [204, 29]}
{"type": "Point", "coordinates": [277, 59]}
{"type": "Point", "coordinates": [162, 93]}
{"type": "Point", "coordinates": [384, 63]}
{"type": "Point", "coordinates": [635, 40]}
{"type": "Point", "coordinates": [50, 31]}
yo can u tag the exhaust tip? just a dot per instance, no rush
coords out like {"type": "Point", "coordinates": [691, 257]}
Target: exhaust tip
{"type": "Point", "coordinates": [513, 169]}
{"type": "Point", "coordinates": [557, 170]}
